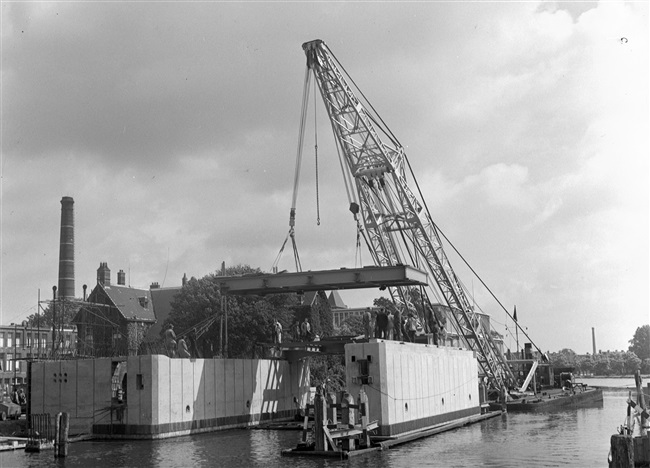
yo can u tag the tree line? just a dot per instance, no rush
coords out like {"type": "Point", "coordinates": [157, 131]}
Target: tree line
{"type": "Point", "coordinates": [609, 363]}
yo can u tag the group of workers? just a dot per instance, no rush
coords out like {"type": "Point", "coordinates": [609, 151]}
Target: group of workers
{"type": "Point", "coordinates": [18, 396]}
{"type": "Point", "coordinates": [300, 331]}
{"type": "Point", "coordinates": [385, 325]}
{"type": "Point", "coordinates": [393, 325]}
{"type": "Point", "coordinates": [175, 348]}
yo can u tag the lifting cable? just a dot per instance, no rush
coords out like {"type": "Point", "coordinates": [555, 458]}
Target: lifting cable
{"type": "Point", "coordinates": [435, 227]}
{"type": "Point", "coordinates": [358, 263]}
{"type": "Point", "coordinates": [316, 157]}
{"type": "Point", "coordinates": [296, 179]}
{"type": "Point", "coordinates": [353, 206]}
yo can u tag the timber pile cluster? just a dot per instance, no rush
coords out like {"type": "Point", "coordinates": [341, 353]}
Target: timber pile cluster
{"type": "Point", "coordinates": [626, 449]}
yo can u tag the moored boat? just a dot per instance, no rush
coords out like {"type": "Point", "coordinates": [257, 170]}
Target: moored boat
{"type": "Point", "coordinates": [581, 395]}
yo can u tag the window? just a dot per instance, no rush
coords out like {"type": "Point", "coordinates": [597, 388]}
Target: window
{"type": "Point", "coordinates": [18, 338]}
{"type": "Point", "coordinates": [10, 362]}
{"type": "Point", "coordinates": [9, 340]}
{"type": "Point", "coordinates": [2, 339]}
{"type": "Point", "coordinates": [43, 340]}
{"type": "Point", "coordinates": [18, 366]}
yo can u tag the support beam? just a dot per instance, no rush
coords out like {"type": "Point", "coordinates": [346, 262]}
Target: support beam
{"type": "Point", "coordinates": [323, 280]}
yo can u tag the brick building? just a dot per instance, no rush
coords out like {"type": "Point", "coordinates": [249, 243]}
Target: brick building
{"type": "Point", "coordinates": [20, 343]}
{"type": "Point", "coordinates": [115, 318]}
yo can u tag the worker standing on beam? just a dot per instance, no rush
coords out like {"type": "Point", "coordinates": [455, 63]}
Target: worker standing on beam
{"type": "Point", "coordinates": [170, 340]}
{"type": "Point", "coordinates": [277, 335]}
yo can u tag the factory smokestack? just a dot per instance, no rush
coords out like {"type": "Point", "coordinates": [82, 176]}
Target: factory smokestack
{"type": "Point", "coordinates": [593, 339]}
{"type": "Point", "coordinates": [66, 251]}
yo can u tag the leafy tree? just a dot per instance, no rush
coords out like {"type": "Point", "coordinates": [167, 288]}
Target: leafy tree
{"type": "Point", "coordinates": [384, 302]}
{"type": "Point", "coordinates": [563, 358]}
{"type": "Point", "coordinates": [65, 312]}
{"type": "Point", "coordinates": [631, 363]}
{"type": "Point", "coordinates": [250, 318]}
{"type": "Point", "coordinates": [328, 371]}
{"type": "Point", "coordinates": [617, 364]}
{"type": "Point", "coordinates": [586, 366]}
{"type": "Point", "coordinates": [352, 326]}
{"type": "Point", "coordinates": [319, 314]}
{"type": "Point", "coordinates": [645, 366]}
{"type": "Point", "coordinates": [602, 367]}
{"type": "Point", "coordinates": [640, 343]}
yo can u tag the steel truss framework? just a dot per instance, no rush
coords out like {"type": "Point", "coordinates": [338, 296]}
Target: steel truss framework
{"type": "Point", "coordinates": [397, 225]}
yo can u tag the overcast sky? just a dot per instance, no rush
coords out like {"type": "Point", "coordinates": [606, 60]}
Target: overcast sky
{"type": "Point", "coordinates": [174, 126]}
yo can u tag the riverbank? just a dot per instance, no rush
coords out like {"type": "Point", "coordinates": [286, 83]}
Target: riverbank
{"type": "Point", "coordinates": [618, 382]}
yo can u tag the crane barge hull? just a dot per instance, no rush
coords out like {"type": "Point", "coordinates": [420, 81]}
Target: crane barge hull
{"type": "Point", "coordinates": [554, 399]}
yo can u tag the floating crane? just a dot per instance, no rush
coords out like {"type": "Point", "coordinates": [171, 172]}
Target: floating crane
{"type": "Point", "coordinates": [389, 209]}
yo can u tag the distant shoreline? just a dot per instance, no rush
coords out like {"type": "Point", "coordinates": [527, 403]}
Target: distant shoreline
{"type": "Point", "coordinates": [643, 377]}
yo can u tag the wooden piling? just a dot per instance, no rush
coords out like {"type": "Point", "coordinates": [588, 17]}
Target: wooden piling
{"type": "Point", "coordinates": [640, 398]}
{"type": "Point", "coordinates": [363, 413]}
{"type": "Point", "coordinates": [319, 421]}
{"type": "Point", "coordinates": [347, 418]}
{"type": "Point", "coordinates": [57, 431]}
{"type": "Point", "coordinates": [622, 451]}
{"type": "Point", "coordinates": [331, 408]}
{"type": "Point", "coordinates": [61, 435]}
{"type": "Point", "coordinates": [626, 450]}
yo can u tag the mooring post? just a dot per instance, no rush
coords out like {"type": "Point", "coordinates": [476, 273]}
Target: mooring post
{"type": "Point", "coordinates": [363, 413]}
{"type": "Point", "coordinates": [622, 451]}
{"type": "Point", "coordinates": [319, 421]}
{"type": "Point", "coordinates": [347, 418]}
{"type": "Point", "coordinates": [61, 435]}
{"type": "Point", "coordinates": [640, 399]}
{"type": "Point", "coordinates": [331, 408]}
{"type": "Point", "coordinates": [65, 429]}
{"type": "Point", "coordinates": [57, 430]}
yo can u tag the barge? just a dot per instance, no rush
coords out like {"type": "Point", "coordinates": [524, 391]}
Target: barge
{"type": "Point", "coordinates": [554, 399]}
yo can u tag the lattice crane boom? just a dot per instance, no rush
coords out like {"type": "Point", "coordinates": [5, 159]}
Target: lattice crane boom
{"type": "Point", "coordinates": [397, 225]}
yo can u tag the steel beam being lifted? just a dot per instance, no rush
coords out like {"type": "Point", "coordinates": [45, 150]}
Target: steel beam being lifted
{"type": "Point", "coordinates": [325, 280]}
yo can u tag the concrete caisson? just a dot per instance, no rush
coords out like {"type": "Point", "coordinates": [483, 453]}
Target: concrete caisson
{"type": "Point", "coordinates": [168, 397]}
{"type": "Point", "coordinates": [413, 386]}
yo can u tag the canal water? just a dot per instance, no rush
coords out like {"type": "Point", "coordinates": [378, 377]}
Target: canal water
{"type": "Point", "coordinates": [576, 437]}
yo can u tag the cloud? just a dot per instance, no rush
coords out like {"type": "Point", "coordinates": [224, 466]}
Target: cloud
{"type": "Point", "coordinates": [175, 129]}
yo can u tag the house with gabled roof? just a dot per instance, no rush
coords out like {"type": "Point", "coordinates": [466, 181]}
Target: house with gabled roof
{"type": "Point", "coordinates": [115, 318]}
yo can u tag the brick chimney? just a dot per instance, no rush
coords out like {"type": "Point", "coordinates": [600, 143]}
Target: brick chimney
{"type": "Point", "coordinates": [121, 278]}
{"type": "Point", "coordinates": [66, 249]}
{"type": "Point", "coordinates": [104, 274]}
{"type": "Point", "coordinates": [154, 285]}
